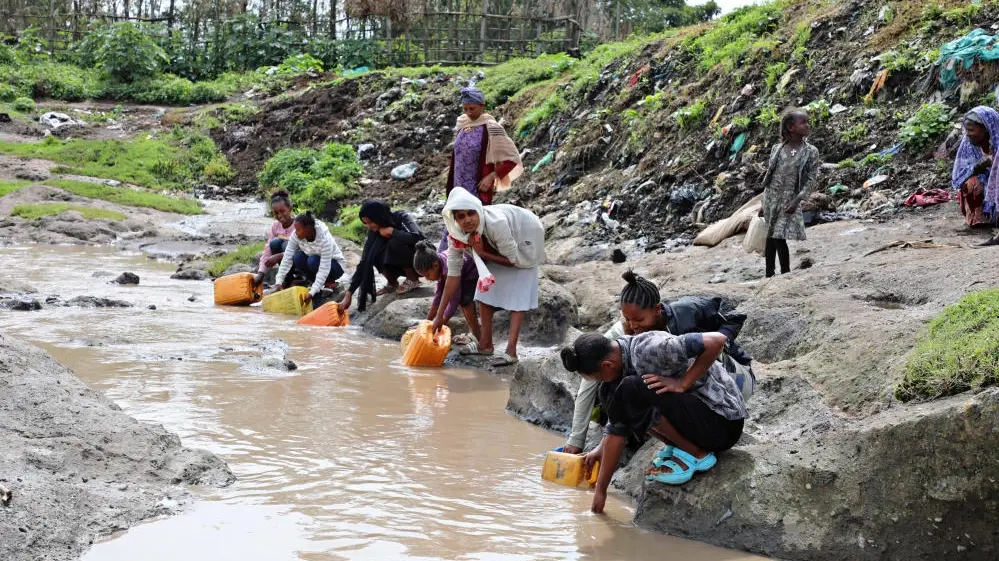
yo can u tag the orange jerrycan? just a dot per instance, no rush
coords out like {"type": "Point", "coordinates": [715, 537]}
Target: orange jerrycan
{"type": "Point", "coordinates": [568, 469]}
{"type": "Point", "coordinates": [237, 290]}
{"type": "Point", "coordinates": [289, 301]}
{"type": "Point", "coordinates": [425, 348]}
{"type": "Point", "coordinates": [407, 337]}
{"type": "Point", "coordinates": [327, 315]}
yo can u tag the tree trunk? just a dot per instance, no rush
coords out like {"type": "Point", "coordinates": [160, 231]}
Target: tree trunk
{"type": "Point", "coordinates": [333, 20]}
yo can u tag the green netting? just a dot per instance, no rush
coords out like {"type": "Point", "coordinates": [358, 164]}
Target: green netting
{"type": "Point", "coordinates": [964, 52]}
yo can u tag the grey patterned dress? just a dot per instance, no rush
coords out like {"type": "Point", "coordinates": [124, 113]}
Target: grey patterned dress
{"type": "Point", "coordinates": [790, 179]}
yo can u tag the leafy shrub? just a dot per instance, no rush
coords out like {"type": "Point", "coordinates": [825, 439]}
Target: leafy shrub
{"type": "Point", "coordinates": [768, 116]}
{"type": "Point", "coordinates": [314, 178]}
{"type": "Point", "coordinates": [24, 105]}
{"type": "Point", "coordinates": [349, 225]}
{"type": "Point", "coordinates": [54, 80]}
{"type": "Point", "coordinates": [774, 73]}
{"type": "Point", "coordinates": [818, 111]}
{"type": "Point", "coordinates": [737, 33]}
{"type": "Point", "coordinates": [551, 107]}
{"type": "Point", "coordinates": [928, 123]}
{"type": "Point", "coordinates": [128, 54]}
{"type": "Point", "coordinates": [959, 352]}
{"type": "Point", "coordinates": [690, 116]}
{"type": "Point", "coordinates": [856, 133]}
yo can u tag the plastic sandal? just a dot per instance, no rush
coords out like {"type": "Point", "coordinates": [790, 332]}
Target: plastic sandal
{"type": "Point", "coordinates": [503, 359]}
{"type": "Point", "coordinates": [678, 476]}
{"type": "Point", "coordinates": [472, 349]}
{"type": "Point", "coordinates": [704, 464]}
{"type": "Point", "coordinates": [663, 455]}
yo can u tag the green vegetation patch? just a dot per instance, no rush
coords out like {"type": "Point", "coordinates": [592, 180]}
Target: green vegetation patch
{"type": "Point", "coordinates": [241, 255]}
{"type": "Point", "coordinates": [737, 34]}
{"type": "Point", "coordinates": [41, 210]}
{"type": "Point", "coordinates": [926, 125]}
{"type": "Point", "coordinates": [314, 178]}
{"type": "Point", "coordinates": [127, 197]}
{"type": "Point", "coordinates": [959, 353]}
{"type": "Point", "coordinates": [349, 225]}
{"type": "Point", "coordinates": [8, 187]}
{"type": "Point", "coordinates": [505, 80]}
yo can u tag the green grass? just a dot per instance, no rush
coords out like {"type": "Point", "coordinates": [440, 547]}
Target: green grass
{"type": "Point", "coordinates": [127, 197]}
{"type": "Point", "coordinates": [41, 210]}
{"type": "Point", "coordinates": [350, 226]}
{"type": "Point", "coordinates": [8, 187]}
{"type": "Point", "coordinates": [960, 352]}
{"type": "Point", "coordinates": [505, 80]}
{"type": "Point", "coordinates": [241, 255]}
{"type": "Point", "coordinates": [743, 32]}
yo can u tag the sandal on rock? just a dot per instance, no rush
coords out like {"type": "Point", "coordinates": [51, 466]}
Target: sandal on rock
{"type": "Point", "coordinates": [472, 349]}
{"type": "Point", "coordinates": [406, 286]}
{"type": "Point", "coordinates": [464, 339]}
{"type": "Point", "coordinates": [663, 455]}
{"type": "Point", "coordinates": [387, 289]}
{"type": "Point", "coordinates": [503, 359]}
{"type": "Point", "coordinates": [679, 476]}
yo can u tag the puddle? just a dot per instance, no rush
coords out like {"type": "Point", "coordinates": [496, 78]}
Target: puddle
{"type": "Point", "coordinates": [352, 456]}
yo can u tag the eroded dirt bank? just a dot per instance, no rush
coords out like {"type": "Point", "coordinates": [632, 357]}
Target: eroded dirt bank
{"type": "Point", "coordinates": [78, 467]}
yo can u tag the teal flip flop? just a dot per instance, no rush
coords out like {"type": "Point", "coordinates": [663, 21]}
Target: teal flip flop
{"type": "Point", "coordinates": [680, 476]}
{"type": "Point", "coordinates": [663, 455]}
{"type": "Point", "coordinates": [704, 464]}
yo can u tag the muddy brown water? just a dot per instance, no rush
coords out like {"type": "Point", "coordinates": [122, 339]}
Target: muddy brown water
{"type": "Point", "coordinates": [352, 456]}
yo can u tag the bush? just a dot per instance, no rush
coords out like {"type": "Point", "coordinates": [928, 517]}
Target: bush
{"type": "Point", "coordinates": [690, 116]}
{"type": "Point", "coordinates": [929, 122]}
{"type": "Point", "coordinates": [128, 54]}
{"type": "Point", "coordinates": [768, 116]}
{"type": "Point", "coordinates": [349, 225]}
{"type": "Point", "coordinates": [960, 352]}
{"type": "Point", "coordinates": [24, 105]}
{"type": "Point", "coordinates": [315, 178]}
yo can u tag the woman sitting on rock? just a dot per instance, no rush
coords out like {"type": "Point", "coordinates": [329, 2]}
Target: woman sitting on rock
{"type": "Point", "coordinates": [484, 159]}
{"type": "Point", "coordinates": [696, 408]}
{"type": "Point", "coordinates": [791, 175]}
{"type": "Point", "coordinates": [314, 253]}
{"type": "Point", "coordinates": [277, 237]}
{"type": "Point", "coordinates": [433, 266]}
{"type": "Point", "coordinates": [389, 249]}
{"type": "Point", "coordinates": [508, 245]}
{"type": "Point", "coordinates": [973, 167]}
{"type": "Point", "coordinates": [642, 310]}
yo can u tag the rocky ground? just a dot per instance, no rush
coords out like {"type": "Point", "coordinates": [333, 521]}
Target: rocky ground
{"type": "Point", "coordinates": [77, 467]}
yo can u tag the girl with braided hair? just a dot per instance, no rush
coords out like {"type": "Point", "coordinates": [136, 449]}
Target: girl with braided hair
{"type": "Point", "coordinates": [432, 265]}
{"type": "Point", "coordinates": [791, 176]}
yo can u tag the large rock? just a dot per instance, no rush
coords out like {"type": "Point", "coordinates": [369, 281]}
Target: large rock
{"type": "Point", "coordinates": [542, 392]}
{"type": "Point", "coordinates": [916, 482]}
{"type": "Point", "coordinates": [77, 466]}
{"type": "Point", "coordinates": [547, 325]}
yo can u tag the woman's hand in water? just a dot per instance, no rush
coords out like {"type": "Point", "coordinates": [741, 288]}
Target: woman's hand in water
{"type": "Point", "coordinates": [664, 384]}
{"type": "Point", "coordinates": [487, 183]}
{"type": "Point", "coordinates": [599, 499]}
{"type": "Point", "coordinates": [386, 232]}
{"type": "Point", "coordinates": [591, 458]}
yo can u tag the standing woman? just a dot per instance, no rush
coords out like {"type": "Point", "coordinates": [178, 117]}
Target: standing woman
{"type": "Point", "coordinates": [277, 236]}
{"type": "Point", "coordinates": [973, 169]}
{"type": "Point", "coordinates": [508, 245]}
{"type": "Point", "coordinates": [484, 159]}
{"type": "Point", "coordinates": [791, 176]}
{"type": "Point", "coordinates": [388, 249]}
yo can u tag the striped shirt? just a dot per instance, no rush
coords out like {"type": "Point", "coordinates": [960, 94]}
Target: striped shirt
{"type": "Point", "coordinates": [324, 246]}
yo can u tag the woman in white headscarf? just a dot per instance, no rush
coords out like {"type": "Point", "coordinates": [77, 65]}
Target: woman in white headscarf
{"type": "Point", "coordinates": [508, 245]}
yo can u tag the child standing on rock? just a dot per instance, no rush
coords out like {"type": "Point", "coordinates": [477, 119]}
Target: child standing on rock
{"type": "Point", "coordinates": [790, 178]}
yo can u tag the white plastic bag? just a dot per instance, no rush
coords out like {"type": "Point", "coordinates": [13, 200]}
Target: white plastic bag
{"type": "Point", "coordinates": [756, 236]}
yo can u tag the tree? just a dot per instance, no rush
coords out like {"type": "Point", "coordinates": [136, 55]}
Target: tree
{"type": "Point", "coordinates": [653, 16]}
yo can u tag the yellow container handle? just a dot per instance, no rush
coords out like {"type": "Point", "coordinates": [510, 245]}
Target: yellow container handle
{"type": "Point", "coordinates": [594, 473]}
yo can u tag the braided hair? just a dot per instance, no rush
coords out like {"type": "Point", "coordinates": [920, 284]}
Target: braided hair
{"type": "Point", "coordinates": [306, 219]}
{"type": "Point", "coordinates": [790, 117]}
{"type": "Point", "coordinates": [426, 257]}
{"type": "Point", "coordinates": [586, 353]}
{"type": "Point", "coordinates": [639, 291]}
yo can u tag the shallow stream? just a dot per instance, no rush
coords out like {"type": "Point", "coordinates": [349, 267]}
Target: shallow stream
{"type": "Point", "coordinates": [352, 456]}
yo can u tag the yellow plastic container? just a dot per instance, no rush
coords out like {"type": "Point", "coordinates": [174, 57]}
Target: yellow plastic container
{"type": "Point", "coordinates": [327, 315]}
{"type": "Point", "coordinates": [237, 290]}
{"type": "Point", "coordinates": [406, 338]}
{"type": "Point", "coordinates": [568, 469]}
{"type": "Point", "coordinates": [289, 301]}
{"type": "Point", "coordinates": [425, 348]}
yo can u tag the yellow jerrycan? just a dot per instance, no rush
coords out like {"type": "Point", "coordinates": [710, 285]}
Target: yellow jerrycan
{"type": "Point", "coordinates": [237, 290]}
{"type": "Point", "coordinates": [424, 348]}
{"type": "Point", "coordinates": [567, 469]}
{"type": "Point", "coordinates": [289, 301]}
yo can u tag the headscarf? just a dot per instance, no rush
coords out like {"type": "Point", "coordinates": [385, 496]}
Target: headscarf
{"type": "Point", "coordinates": [968, 154]}
{"type": "Point", "coordinates": [499, 147]}
{"type": "Point", "coordinates": [378, 212]}
{"type": "Point", "coordinates": [472, 95]}
{"type": "Point", "coordinates": [460, 199]}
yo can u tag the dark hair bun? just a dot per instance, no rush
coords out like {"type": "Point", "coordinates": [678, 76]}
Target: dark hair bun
{"type": "Point", "coordinates": [424, 245]}
{"type": "Point", "coordinates": [630, 277]}
{"type": "Point", "coordinates": [280, 193]}
{"type": "Point", "coordinates": [569, 359]}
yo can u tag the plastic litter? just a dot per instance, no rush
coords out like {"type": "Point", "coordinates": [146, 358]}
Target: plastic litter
{"type": "Point", "coordinates": [756, 236]}
{"type": "Point", "coordinates": [56, 121]}
{"type": "Point", "coordinates": [891, 151]}
{"type": "Point", "coordinates": [837, 109]}
{"type": "Point", "coordinates": [549, 158]}
{"type": "Point", "coordinates": [737, 145]}
{"type": "Point", "coordinates": [927, 197]}
{"type": "Point", "coordinates": [876, 180]}
{"type": "Point", "coordinates": [405, 171]}
{"type": "Point", "coordinates": [838, 188]}
{"type": "Point", "coordinates": [963, 53]}
{"type": "Point", "coordinates": [356, 71]}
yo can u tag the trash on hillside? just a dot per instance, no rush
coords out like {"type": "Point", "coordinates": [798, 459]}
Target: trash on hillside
{"type": "Point", "coordinates": [637, 76]}
{"type": "Point", "coordinates": [838, 188]}
{"type": "Point", "coordinates": [737, 145]}
{"type": "Point", "coordinates": [917, 244]}
{"type": "Point", "coordinates": [718, 115]}
{"type": "Point", "coordinates": [837, 109]}
{"type": "Point", "coordinates": [404, 172]}
{"type": "Point", "coordinates": [356, 71]}
{"type": "Point", "coordinates": [879, 83]}
{"type": "Point", "coordinates": [963, 53]}
{"type": "Point", "coordinates": [547, 159]}
{"type": "Point", "coordinates": [927, 197]}
{"type": "Point", "coordinates": [876, 180]}
{"type": "Point", "coordinates": [891, 151]}
{"type": "Point", "coordinates": [365, 151]}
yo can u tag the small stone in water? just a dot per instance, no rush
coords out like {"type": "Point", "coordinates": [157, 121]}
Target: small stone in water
{"type": "Point", "coordinates": [192, 298]}
{"type": "Point", "coordinates": [151, 307]}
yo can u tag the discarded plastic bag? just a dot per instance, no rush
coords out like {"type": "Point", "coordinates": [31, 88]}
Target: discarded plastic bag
{"type": "Point", "coordinates": [756, 236]}
{"type": "Point", "coordinates": [404, 172]}
{"type": "Point", "coordinates": [549, 158]}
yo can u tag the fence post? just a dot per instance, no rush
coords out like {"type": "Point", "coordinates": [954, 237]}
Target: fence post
{"type": "Point", "coordinates": [482, 31]}
{"type": "Point", "coordinates": [617, 21]}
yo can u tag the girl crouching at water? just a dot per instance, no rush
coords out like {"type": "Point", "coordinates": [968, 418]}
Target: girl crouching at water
{"type": "Point", "coordinates": [314, 253]}
{"type": "Point", "coordinates": [433, 266]}
{"type": "Point", "coordinates": [277, 236]}
{"type": "Point", "coordinates": [689, 403]}
{"type": "Point", "coordinates": [508, 244]}
{"type": "Point", "coordinates": [791, 176]}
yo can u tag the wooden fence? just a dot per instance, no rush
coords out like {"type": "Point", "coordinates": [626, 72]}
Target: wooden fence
{"type": "Point", "coordinates": [442, 37]}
